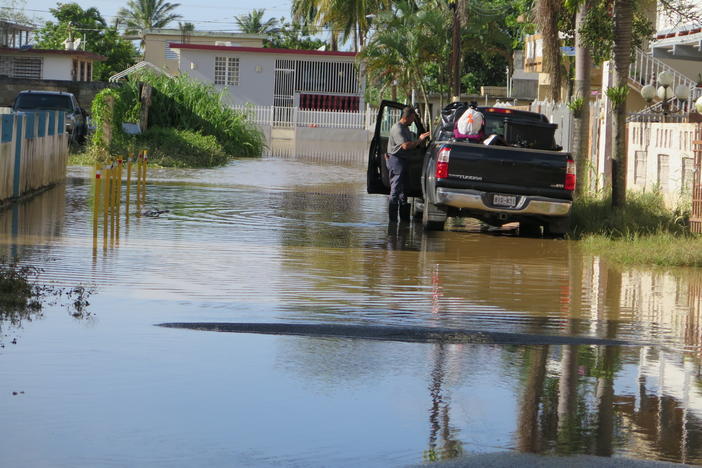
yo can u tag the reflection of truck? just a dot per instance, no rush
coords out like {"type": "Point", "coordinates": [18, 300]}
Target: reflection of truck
{"type": "Point", "coordinates": [524, 179]}
{"type": "Point", "coordinates": [35, 101]}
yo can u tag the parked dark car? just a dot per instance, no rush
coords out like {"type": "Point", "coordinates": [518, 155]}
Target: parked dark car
{"type": "Point", "coordinates": [76, 117]}
{"type": "Point", "coordinates": [521, 176]}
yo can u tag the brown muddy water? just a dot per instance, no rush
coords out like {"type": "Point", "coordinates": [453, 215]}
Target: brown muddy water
{"type": "Point", "coordinates": [282, 241]}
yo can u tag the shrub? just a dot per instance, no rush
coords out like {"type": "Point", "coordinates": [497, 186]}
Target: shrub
{"type": "Point", "coordinates": [178, 103]}
{"type": "Point", "coordinates": [182, 148]}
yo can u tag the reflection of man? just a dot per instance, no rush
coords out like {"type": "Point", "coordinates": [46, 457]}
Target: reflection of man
{"type": "Point", "coordinates": [401, 142]}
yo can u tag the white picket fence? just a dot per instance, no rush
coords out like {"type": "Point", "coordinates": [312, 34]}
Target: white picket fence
{"type": "Point", "coordinates": [558, 113]}
{"type": "Point", "coordinates": [292, 117]}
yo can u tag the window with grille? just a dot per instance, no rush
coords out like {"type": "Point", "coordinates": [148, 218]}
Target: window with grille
{"type": "Point", "coordinates": [663, 171]}
{"type": "Point", "coordinates": [688, 172]}
{"type": "Point", "coordinates": [27, 67]}
{"type": "Point", "coordinates": [227, 71]}
{"type": "Point", "coordinates": [170, 53]}
{"type": "Point", "coordinates": [640, 168]}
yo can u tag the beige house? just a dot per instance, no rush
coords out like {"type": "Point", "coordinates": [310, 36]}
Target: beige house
{"type": "Point", "coordinates": [157, 42]}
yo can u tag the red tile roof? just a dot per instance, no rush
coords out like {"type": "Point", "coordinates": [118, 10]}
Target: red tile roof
{"type": "Point", "coordinates": [71, 53]}
{"type": "Point", "coordinates": [262, 50]}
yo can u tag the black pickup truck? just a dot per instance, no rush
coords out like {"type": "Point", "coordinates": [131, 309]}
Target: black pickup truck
{"type": "Point", "coordinates": [522, 176]}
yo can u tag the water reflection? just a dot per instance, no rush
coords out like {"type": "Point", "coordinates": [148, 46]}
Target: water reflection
{"type": "Point", "coordinates": [285, 241]}
{"type": "Point", "coordinates": [28, 223]}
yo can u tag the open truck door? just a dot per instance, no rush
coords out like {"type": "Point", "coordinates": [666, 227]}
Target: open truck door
{"type": "Point", "coordinates": [378, 180]}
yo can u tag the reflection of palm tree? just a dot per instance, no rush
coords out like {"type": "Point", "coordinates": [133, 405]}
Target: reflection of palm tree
{"type": "Point", "coordinates": [528, 439]}
{"type": "Point", "coordinates": [439, 414]}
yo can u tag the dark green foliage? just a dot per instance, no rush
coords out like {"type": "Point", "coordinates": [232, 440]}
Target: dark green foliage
{"type": "Point", "coordinates": [182, 148]}
{"type": "Point", "coordinates": [22, 297]}
{"type": "Point", "coordinates": [598, 31]}
{"type": "Point", "coordinates": [18, 293]}
{"type": "Point", "coordinates": [99, 38]}
{"type": "Point", "coordinates": [293, 36]}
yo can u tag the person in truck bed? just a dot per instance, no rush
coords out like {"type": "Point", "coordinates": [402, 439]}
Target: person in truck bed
{"type": "Point", "coordinates": [401, 142]}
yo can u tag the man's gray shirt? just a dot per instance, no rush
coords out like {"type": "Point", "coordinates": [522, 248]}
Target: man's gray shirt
{"type": "Point", "coordinates": [399, 134]}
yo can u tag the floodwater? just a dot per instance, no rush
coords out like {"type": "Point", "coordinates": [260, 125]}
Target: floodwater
{"type": "Point", "coordinates": [290, 241]}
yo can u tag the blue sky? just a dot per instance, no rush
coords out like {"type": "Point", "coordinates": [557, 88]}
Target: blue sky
{"type": "Point", "coordinates": [209, 15]}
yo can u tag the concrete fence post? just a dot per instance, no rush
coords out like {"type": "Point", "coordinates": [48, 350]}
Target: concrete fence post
{"type": "Point", "coordinates": [19, 126]}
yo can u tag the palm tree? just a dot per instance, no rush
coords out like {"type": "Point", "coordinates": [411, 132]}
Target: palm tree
{"type": "Point", "coordinates": [252, 23]}
{"type": "Point", "coordinates": [403, 44]}
{"type": "Point", "coordinates": [142, 15]}
{"type": "Point", "coordinates": [346, 19]}
{"type": "Point", "coordinates": [581, 93]}
{"type": "Point", "coordinates": [546, 13]}
{"type": "Point", "coordinates": [623, 24]}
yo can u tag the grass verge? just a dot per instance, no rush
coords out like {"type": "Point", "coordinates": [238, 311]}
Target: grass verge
{"type": "Point", "coordinates": [644, 232]}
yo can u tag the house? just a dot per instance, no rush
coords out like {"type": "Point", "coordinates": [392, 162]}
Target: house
{"type": "Point", "coordinates": [18, 59]}
{"type": "Point", "coordinates": [157, 50]}
{"type": "Point", "coordinates": [283, 78]}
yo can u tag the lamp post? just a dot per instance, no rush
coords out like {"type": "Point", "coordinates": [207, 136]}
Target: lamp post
{"type": "Point", "coordinates": [665, 92]}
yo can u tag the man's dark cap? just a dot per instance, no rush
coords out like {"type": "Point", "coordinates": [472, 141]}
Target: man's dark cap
{"type": "Point", "coordinates": [407, 111]}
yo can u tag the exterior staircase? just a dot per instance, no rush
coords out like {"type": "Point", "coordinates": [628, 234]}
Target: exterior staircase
{"type": "Point", "coordinates": [645, 68]}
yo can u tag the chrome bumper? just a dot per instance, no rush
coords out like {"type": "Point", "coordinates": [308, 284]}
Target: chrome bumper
{"type": "Point", "coordinates": [475, 200]}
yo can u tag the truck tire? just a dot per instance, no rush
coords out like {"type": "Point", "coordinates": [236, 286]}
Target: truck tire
{"type": "Point", "coordinates": [529, 228]}
{"type": "Point", "coordinates": [417, 208]}
{"type": "Point", "coordinates": [433, 218]}
{"type": "Point", "coordinates": [558, 227]}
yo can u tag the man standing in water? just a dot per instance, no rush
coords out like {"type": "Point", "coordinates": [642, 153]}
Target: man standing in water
{"type": "Point", "coordinates": [401, 142]}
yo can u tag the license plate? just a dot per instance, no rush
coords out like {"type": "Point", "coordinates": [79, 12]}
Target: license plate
{"type": "Point", "coordinates": [504, 200]}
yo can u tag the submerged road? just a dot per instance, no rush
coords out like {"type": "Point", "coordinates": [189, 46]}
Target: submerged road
{"type": "Point", "coordinates": [358, 342]}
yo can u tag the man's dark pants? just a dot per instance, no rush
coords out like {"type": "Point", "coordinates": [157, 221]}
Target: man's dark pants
{"type": "Point", "coordinates": [397, 171]}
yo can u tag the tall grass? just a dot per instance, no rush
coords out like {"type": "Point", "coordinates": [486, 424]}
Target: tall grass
{"type": "Point", "coordinates": [645, 213]}
{"type": "Point", "coordinates": [178, 103]}
{"type": "Point", "coordinates": [642, 232]}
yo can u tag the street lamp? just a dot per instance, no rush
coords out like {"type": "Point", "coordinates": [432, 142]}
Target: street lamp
{"type": "Point", "coordinates": [665, 92]}
{"type": "Point", "coordinates": [698, 104]}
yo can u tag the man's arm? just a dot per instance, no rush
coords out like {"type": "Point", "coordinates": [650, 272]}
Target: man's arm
{"type": "Point", "coordinates": [407, 145]}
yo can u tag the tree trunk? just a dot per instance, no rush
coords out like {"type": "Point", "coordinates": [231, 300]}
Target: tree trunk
{"type": "Point", "coordinates": [581, 120]}
{"type": "Point", "coordinates": [456, 51]}
{"type": "Point", "coordinates": [547, 19]}
{"type": "Point", "coordinates": [623, 19]}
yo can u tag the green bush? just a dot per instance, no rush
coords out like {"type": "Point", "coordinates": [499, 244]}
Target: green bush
{"type": "Point", "coordinates": [182, 148]}
{"type": "Point", "coordinates": [177, 103]}
{"type": "Point", "coordinates": [644, 214]}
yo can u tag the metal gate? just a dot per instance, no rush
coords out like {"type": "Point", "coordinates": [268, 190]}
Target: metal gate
{"type": "Point", "coordinates": [696, 215]}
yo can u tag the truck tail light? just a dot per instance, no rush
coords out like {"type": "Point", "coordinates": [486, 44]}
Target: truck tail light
{"type": "Point", "coordinates": [442, 162]}
{"type": "Point", "coordinates": [570, 175]}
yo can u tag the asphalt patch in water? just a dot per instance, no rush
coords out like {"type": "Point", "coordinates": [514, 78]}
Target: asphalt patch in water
{"type": "Point", "coordinates": [390, 333]}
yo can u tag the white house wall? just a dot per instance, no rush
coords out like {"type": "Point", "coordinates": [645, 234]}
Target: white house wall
{"type": "Point", "coordinates": [256, 72]}
{"type": "Point", "coordinates": [56, 67]}
{"type": "Point", "coordinates": [649, 145]}
{"type": "Point", "coordinates": [254, 87]}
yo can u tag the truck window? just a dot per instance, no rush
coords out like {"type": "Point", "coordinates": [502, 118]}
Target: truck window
{"type": "Point", "coordinates": [30, 102]}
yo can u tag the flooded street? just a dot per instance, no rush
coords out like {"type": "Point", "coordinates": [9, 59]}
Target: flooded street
{"type": "Point", "coordinates": [300, 242]}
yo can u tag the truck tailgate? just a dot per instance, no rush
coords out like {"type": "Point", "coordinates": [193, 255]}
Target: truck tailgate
{"type": "Point", "coordinates": [500, 168]}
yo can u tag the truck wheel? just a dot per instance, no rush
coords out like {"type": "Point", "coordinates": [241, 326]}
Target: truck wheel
{"type": "Point", "coordinates": [529, 229]}
{"type": "Point", "coordinates": [433, 218]}
{"type": "Point", "coordinates": [558, 227]}
{"type": "Point", "coordinates": [417, 208]}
